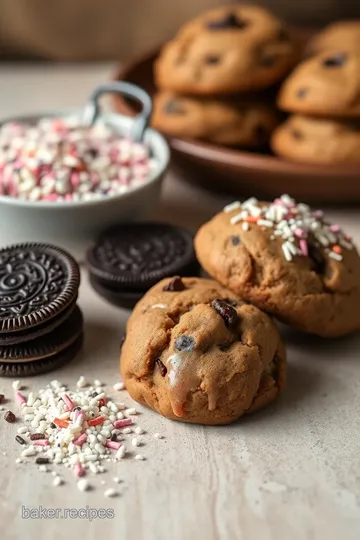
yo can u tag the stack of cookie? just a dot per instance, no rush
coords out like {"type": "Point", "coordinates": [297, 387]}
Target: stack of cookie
{"type": "Point", "coordinates": [323, 97]}
{"type": "Point", "coordinates": [41, 326]}
{"type": "Point", "coordinates": [206, 72]}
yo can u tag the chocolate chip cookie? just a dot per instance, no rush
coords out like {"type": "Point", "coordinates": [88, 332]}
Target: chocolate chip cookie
{"type": "Point", "coordinates": [226, 50]}
{"type": "Point", "coordinates": [194, 352]}
{"type": "Point", "coordinates": [317, 140]}
{"type": "Point", "coordinates": [325, 85]}
{"type": "Point", "coordinates": [243, 123]}
{"type": "Point", "coordinates": [336, 35]}
{"type": "Point", "coordinates": [288, 261]}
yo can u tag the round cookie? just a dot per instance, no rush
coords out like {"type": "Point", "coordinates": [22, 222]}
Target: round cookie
{"type": "Point", "coordinates": [245, 123]}
{"type": "Point", "coordinates": [336, 35]}
{"type": "Point", "coordinates": [324, 85]}
{"type": "Point", "coordinates": [226, 50]}
{"type": "Point", "coordinates": [317, 140]}
{"type": "Point", "coordinates": [196, 353]}
{"type": "Point", "coordinates": [288, 261]}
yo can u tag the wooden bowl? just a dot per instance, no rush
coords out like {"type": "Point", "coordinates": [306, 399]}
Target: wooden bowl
{"type": "Point", "coordinates": [243, 173]}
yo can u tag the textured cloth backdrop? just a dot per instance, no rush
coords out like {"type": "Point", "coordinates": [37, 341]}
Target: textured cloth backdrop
{"type": "Point", "coordinates": [118, 29]}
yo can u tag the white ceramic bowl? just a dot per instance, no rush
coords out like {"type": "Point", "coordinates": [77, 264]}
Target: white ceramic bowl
{"type": "Point", "coordinates": [73, 225]}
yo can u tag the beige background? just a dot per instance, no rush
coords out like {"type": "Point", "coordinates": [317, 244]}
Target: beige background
{"type": "Point", "coordinates": [112, 29]}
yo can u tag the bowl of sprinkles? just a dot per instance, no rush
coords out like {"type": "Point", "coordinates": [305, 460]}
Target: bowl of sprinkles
{"type": "Point", "coordinates": [64, 176]}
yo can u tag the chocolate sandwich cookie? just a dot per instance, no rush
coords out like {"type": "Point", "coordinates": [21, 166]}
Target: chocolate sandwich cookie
{"type": "Point", "coordinates": [129, 259]}
{"type": "Point", "coordinates": [39, 320]}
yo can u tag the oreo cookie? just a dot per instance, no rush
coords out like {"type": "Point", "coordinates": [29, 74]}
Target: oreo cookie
{"type": "Point", "coordinates": [39, 320]}
{"type": "Point", "coordinates": [128, 259]}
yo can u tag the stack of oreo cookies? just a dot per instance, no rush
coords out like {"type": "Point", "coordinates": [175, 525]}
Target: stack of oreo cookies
{"type": "Point", "coordinates": [41, 326]}
{"type": "Point", "coordinates": [127, 260]}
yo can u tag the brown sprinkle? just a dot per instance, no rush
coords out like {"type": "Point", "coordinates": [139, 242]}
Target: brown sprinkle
{"type": "Point", "coordinates": [42, 461]}
{"type": "Point", "coordinates": [37, 436]}
{"type": "Point", "coordinates": [113, 437]}
{"type": "Point", "coordinates": [20, 440]}
{"type": "Point", "coordinates": [2, 398]}
{"type": "Point", "coordinates": [10, 417]}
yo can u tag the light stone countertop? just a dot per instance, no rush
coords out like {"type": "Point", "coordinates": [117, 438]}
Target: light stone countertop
{"type": "Point", "coordinates": [291, 472]}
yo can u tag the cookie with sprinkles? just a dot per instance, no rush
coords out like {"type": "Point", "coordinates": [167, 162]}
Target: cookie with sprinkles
{"type": "Point", "coordinates": [288, 260]}
{"type": "Point", "coordinates": [196, 353]}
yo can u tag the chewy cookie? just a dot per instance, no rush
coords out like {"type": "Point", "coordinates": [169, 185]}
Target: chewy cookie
{"type": "Point", "coordinates": [194, 352]}
{"type": "Point", "coordinates": [127, 260]}
{"type": "Point", "coordinates": [288, 261]}
{"type": "Point", "coordinates": [226, 50]}
{"type": "Point", "coordinates": [336, 35]}
{"type": "Point", "coordinates": [317, 140]}
{"type": "Point", "coordinates": [40, 324]}
{"type": "Point", "coordinates": [327, 84]}
{"type": "Point", "coordinates": [244, 123]}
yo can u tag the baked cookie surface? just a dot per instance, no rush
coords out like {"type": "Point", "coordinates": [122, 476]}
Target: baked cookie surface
{"type": "Point", "coordinates": [244, 123]}
{"type": "Point", "coordinates": [327, 84]}
{"type": "Point", "coordinates": [288, 261]}
{"type": "Point", "coordinates": [336, 35]}
{"type": "Point", "coordinates": [195, 353]}
{"type": "Point", "coordinates": [317, 140]}
{"type": "Point", "coordinates": [226, 50]}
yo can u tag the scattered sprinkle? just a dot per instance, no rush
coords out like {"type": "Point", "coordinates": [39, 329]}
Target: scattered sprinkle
{"type": "Point", "coordinates": [83, 485]}
{"type": "Point", "coordinates": [131, 411]}
{"type": "Point", "coordinates": [119, 386]}
{"type": "Point", "coordinates": [20, 440]}
{"type": "Point", "coordinates": [135, 442]}
{"type": "Point", "coordinates": [158, 436]}
{"type": "Point", "coordinates": [10, 417]}
{"type": "Point", "coordinates": [139, 430]}
{"type": "Point", "coordinates": [58, 481]}
{"type": "Point", "coordinates": [16, 385]}
{"type": "Point", "coordinates": [110, 493]}
{"type": "Point", "coordinates": [43, 468]}
{"type": "Point", "coordinates": [139, 457]}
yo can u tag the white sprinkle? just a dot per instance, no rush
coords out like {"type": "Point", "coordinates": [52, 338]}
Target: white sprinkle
{"type": "Point", "coordinates": [286, 252]}
{"type": "Point", "coordinates": [98, 383]}
{"type": "Point", "coordinates": [81, 383]}
{"type": "Point", "coordinates": [135, 442]}
{"type": "Point", "coordinates": [16, 385]}
{"type": "Point", "coordinates": [236, 219]}
{"type": "Point", "coordinates": [160, 306]}
{"type": "Point", "coordinates": [158, 436]}
{"type": "Point", "coordinates": [265, 223]}
{"type": "Point", "coordinates": [28, 452]}
{"type": "Point", "coordinates": [335, 256]}
{"type": "Point", "coordinates": [232, 206]}
{"type": "Point", "coordinates": [83, 485]}
{"type": "Point", "coordinates": [18, 460]}
{"type": "Point", "coordinates": [21, 430]}
{"type": "Point", "coordinates": [119, 386]}
{"type": "Point", "coordinates": [43, 468]}
{"type": "Point", "coordinates": [110, 493]}
{"type": "Point", "coordinates": [58, 481]}
{"type": "Point", "coordinates": [132, 411]}
{"type": "Point", "coordinates": [117, 480]}
{"type": "Point", "coordinates": [120, 454]}
{"type": "Point", "coordinates": [245, 226]}
{"type": "Point", "coordinates": [127, 430]}
{"type": "Point", "coordinates": [139, 430]}
{"type": "Point", "coordinates": [139, 457]}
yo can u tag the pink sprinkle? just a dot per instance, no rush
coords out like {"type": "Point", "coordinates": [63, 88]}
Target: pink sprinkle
{"type": "Point", "coordinates": [334, 228]}
{"type": "Point", "coordinates": [75, 180]}
{"type": "Point", "coordinates": [76, 413]}
{"type": "Point", "coordinates": [81, 440]}
{"type": "Point", "coordinates": [304, 247]}
{"type": "Point", "coordinates": [319, 214]}
{"type": "Point", "coordinates": [123, 423]}
{"type": "Point", "coordinates": [299, 232]}
{"type": "Point", "coordinates": [113, 445]}
{"type": "Point", "coordinates": [20, 398]}
{"type": "Point", "coordinates": [79, 469]}
{"type": "Point", "coordinates": [52, 197]}
{"type": "Point", "coordinates": [278, 202]}
{"type": "Point", "coordinates": [41, 442]}
{"type": "Point", "coordinates": [68, 402]}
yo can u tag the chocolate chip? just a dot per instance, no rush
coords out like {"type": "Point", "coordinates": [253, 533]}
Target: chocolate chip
{"type": "Point", "coordinates": [235, 240]}
{"type": "Point", "coordinates": [337, 60]}
{"type": "Point", "coordinates": [185, 343]}
{"type": "Point", "coordinates": [283, 35]}
{"type": "Point", "coordinates": [212, 60]}
{"type": "Point", "coordinates": [161, 366]}
{"type": "Point", "coordinates": [37, 436]}
{"type": "Point", "coordinates": [10, 417]}
{"type": "Point", "coordinates": [113, 437]}
{"type": "Point", "coordinates": [20, 440]}
{"type": "Point", "coordinates": [301, 93]}
{"type": "Point", "coordinates": [297, 134]}
{"type": "Point", "coordinates": [52, 425]}
{"type": "Point", "coordinates": [173, 107]}
{"type": "Point", "coordinates": [42, 460]}
{"type": "Point", "coordinates": [225, 311]}
{"type": "Point", "coordinates": [317, 258]}
{"type": "Point", "coordinates": [176, 284]}
{"type": "Point", "coordinates": [268, 61]}
{"type": "Point", "coordinates": [231, 20]}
